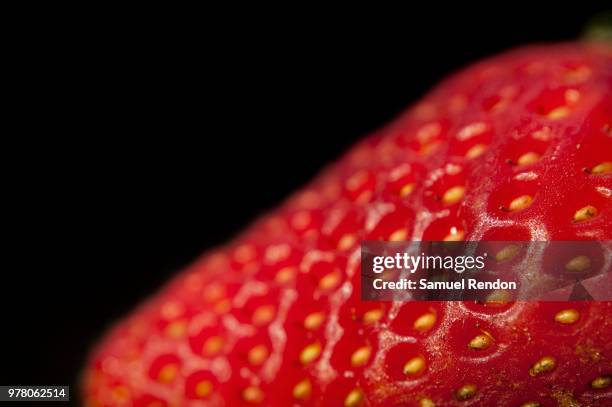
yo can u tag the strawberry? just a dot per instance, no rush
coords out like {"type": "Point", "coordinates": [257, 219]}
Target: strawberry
{"type": "Point", "coordinates": [518, 147]}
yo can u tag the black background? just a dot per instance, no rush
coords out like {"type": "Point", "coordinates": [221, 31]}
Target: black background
{"type": "Point", "coordinates": [141, 147]}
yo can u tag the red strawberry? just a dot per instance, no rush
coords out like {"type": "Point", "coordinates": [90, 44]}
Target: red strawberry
{"type": "Point", "coordinates": [518, 147]}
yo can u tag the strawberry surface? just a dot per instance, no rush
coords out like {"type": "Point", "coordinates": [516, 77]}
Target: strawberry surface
{"type": "Point", "coordinates": [518, 147]}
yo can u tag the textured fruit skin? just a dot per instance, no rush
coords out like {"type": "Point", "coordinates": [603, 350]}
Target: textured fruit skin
{"type": "Point", "coordinates": [279, 305]}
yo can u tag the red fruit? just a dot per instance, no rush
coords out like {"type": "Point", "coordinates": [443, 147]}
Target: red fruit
{"type": "Point", "coordinates": [518, 147]}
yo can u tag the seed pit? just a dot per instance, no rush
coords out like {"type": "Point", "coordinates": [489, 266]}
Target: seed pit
{"type": "Point", "coordinates": [200, 385]}
{"type": "Point", "coordinates": [449, 187]}
{"type": "Point", "coordinates": [417, 318]}
{"type": "Point", "coordinates": [405, 362]}
{"type": "Point", "coordinates": [165, 368]}
{"type": "Point", "coordinates": [401, 181]}
{"type": "Point", "coordinates": [514, 197]}
{"type": "Point", "coordinates": [472, 140]}
{"type": "Point", "coordinates": [472, 340]}
{"type": "Point", "coordinates": [555, 104]}
{"type": "Point", "coordinates": [393, 226]}
{"type": "Point", "coordinates": [428, 138]}
{"type": "Point", "coordinates": [446, 229]}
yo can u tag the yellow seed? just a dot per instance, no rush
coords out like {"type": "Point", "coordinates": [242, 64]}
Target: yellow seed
{"type": "Point", "coordinates": [567, 316]}
{"type": "Point", "coordinates": [314, 320]}
{"type": "Point", "coordinates": [372, 316]}
{"type": "Point", "coordinates": [223, 306]}
{"type": "Point", "coordinates": [253, 395]}
{"type": "Point", "coordinates": [546, 364]}
{"type": "Point", "coordinates": [425, 322]}
{"type": "Point", "coordinates": [213, 293]}
{"type": "Point", "coordinates": [572, 96]}
{"type": "Point", "coordinates": [602, 168]}
{"type": "Point", "coordinates": [520, 203]}
{"type": "Point", "coordinates": [425, 402]}
{"type": "Point", "coordinates": [530, 404]}
{"type": "Point", "coordinates": [544, 134]}
{"type": "Point", "coordinates": [528, 158]}
{"type": "Point", "coordinates": [465, 392]}
{"type": "Point", "coordinates": [453, 195]}
{"type": "Point", "coordinates": [414, 366]}
{"type": "Point", "coordinates": [354, 398]}
{"type": "Point", "coordinates": [497, 298]}
{"type": "Point", "coordinates": [364, 197]}
{"type": "Point", "coordinates": [176, 329]}
{"type": "Point", "coordinates": [578, 263]}
{"type": "Point", "coordinates": [121, 393]}
{"type": "Point", "coordinates": [167, 373]}
{"type": "Point", "coordinates": [558, 113]}
{"type": "Point", "coordinates": [481, 341]}
{"type": "Point", "coordinates": [399, 235]}
{"type": "Point", "coordinates": [601, 382]}
{"type": "Point", "coordinates": [507, 253]}
{"type": "Point", "coordinates": [455, 235]}
{"type": "Point", "coordinates": [263, 315]}
{"type": "Point", "coordinates": [203, 388]}
{"type": "Point", "coordinates": [257, 355]}
{"type": "Point", "coordinates": [213, 345]}
{"type": "Point", "coordinates": [330, 281]}
{"type": "Point", "coordinates": [310, 353]}
{"type": "Point", "coordinates": [406, 190]}
{"type": "Point", "coordinates": [302, 390]}
{"type": "Point", "coordinates": [428, 148]}
{"type": "Point", "coordinates": [285, 275]}
{"type": "Point", "coordinates": [475, 151]}
{"type": "Point", "coordinates": [585, 213]}
{"type": "Point", "coordinates": [346, 242]}
{"type": "Point", "coordinates": [361, 356]}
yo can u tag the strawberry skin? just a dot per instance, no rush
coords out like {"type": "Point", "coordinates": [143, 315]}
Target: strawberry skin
{"type": "Point", "coordinates": [518, 147]}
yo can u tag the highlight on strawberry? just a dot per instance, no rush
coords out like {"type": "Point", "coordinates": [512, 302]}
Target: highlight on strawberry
{"type": "Point", "coordinates": [514, 148]}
